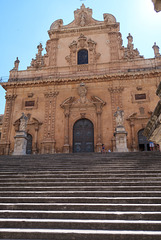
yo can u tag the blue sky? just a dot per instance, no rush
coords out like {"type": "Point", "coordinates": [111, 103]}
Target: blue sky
{"type": "Point", "coordinates": [24, 24]}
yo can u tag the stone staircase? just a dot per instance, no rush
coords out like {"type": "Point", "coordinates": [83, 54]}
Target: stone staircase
{"type": "Point", "coordinates": [113, 196]}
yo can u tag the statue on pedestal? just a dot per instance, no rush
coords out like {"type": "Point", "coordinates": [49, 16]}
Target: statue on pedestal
{"type": "Point", "coordinates": [21, 137]}
{"type": "Point", "coordinates": [119, 114]}
{"type": "Point", "coordinates": [120, 133]}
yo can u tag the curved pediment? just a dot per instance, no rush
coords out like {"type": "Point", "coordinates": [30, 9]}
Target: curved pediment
{"type": "Point", "coordinates": [82, 18]}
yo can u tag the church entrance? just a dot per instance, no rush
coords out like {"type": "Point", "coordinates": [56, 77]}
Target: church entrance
{"type": "Point", "coordinates": [143, 142]}
{"type": "Point", "coordinates": [29, 144]}
{"type": "Point", "coordinates": [83, 136]}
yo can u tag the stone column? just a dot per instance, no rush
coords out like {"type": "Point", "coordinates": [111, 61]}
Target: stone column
{"type": "Point", "coordinates": [6, 127]}
{"type": "Point", "coordinates": [35, 150]}
{"type": "Point", "coordinates": [99, 136]}
{"type": "Point", "coordinates": [66, 130]}
{"type": "Point", "coordinates": [133, 145]}
{"type": "Point", "coordinates": [48, 144]}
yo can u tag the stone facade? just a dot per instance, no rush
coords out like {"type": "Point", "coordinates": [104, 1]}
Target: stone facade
{"type": "Point", "coordinates": [1, 121]}
{"type": "Point", "coordinates": [86, 73]}
{"type": "Point", "coordinates": [157, 5]}
{"type": "Point", "coordinates": [153, 127]}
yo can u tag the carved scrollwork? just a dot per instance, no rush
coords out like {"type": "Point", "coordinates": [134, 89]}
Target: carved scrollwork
{"type": "Point", "coordinates": [130, 52]}
{"type": "Point", "coordinates": [83, 16]}
{"type": "Point", "coordinates": [109, 18]}
{"type": "Point", "coordinates": [82, 43]}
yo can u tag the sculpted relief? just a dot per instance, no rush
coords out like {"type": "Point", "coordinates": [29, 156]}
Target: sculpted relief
{"type": "Point", "coordinates": [82, 43]}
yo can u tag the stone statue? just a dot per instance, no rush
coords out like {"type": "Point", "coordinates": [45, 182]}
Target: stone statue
{"type": "Point", "coordinates": [16, 64]}
{"type": "Point", "coordinates": [130, 42]}
{"type": "Point", "coordinates": [82, 92]}
{"type": "Point", "coordinates": [23, 122]}
{"type": "Point", "coordinates": [40, 49]}
{"type": "Point", "coordinates": [156, 50]}
{"type": "Point", "coordinates": [119, 114]}
{"type": "Point", "coordinates": [83, 19]}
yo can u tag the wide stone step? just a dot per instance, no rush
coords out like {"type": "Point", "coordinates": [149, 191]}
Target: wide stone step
{"type": "Point", "coordinates": [86, 197]}
{"type": "Point", "coordinates": [135, 200]}
{"type": "Point", "coordinates": [109, 179]}
{"type": "Point", "coordinates": [141, 225]}
{"type": "Point", "coordinates": [81, 193]}
{"type": "Point", "coordinates": [51, 173]}
{"type": "Point", "coordinates": [81, 188]}
{"type": "Point", "coordinates": [93, 176]}
{"type": "Point", "coordinates": [81, 206]}
{"type": "Point", "coordinates": [78, 234]}
{"type": "Point", "coordinates": [107, 215]}
{"type": "Point", "coordinates": [65, 183]}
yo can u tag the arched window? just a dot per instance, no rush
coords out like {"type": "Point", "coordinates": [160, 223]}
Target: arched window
{"type": "Point", "coordinates": [83, 56]}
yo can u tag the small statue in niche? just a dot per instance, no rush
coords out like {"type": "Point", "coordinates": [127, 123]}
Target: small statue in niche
{"type": "Point", "coordinates": [119, 114]}
{"type": "Point", "coordinates": [83, 19]}
{"type": "Point", "coordinates": [82, 91]}
{"type": "Point", "coordinates": [23, 122]}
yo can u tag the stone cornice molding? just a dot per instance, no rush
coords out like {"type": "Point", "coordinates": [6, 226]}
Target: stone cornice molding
{"type": "Point", "coordinates": [111, 27]}
{"type": "Point", "coordinates": [79, 79]}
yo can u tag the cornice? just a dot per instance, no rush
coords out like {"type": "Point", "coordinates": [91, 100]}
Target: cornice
{"type": "Point", "coordinates": [77, 79]}
{"type": "Point", "coordinates": [109, 27]}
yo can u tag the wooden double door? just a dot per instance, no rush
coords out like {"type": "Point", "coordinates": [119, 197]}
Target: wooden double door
{"type": "Point", "coordinates": [83, 136]}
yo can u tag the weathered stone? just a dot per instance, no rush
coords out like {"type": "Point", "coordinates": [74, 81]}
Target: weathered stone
{"type": "Point", "coordinates": [90, 52]}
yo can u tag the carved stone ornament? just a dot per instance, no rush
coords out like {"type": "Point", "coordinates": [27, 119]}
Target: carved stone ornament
{"type": "Point", "coordinates": [156, 50]}
{"type": "Point", "coordinates": [16, 64]}
{"type": "Point", "coordinates": [23, 122]}
{"type": "Point", "coordinates": [39, 60]}
{"type": "Point", "coordinates": [119, 115]}
{"type": "Point", "coordinates": [109, 18]}
{"type": "Point", "coordinates": [82, 43]}
{"type": "Point", "coordinates": [83, 16]}
{"type": "Point", "coordinates": [130, 52]}
{"type": "Point", "coordinates": [57, 24]}
{"type": "Point", "coordinates": [157, 5]}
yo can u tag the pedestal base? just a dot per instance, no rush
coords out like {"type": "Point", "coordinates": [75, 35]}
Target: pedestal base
{"type": "Point", "coordinates": [20, 143]}
{"type": "Point", "coordinates": [66, 148]}
{"type": "Point", "coordinates": [48, 147]}
{"type": "Point", "coordinates": [121, 139]}
{"type": "Point", "coordinates": [98, 147]}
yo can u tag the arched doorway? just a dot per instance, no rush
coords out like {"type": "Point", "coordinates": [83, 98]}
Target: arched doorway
{"type": "Point", "coordinates": [29, 144]}
{"type": "Point", "coordinates": [83, 136]}
{"type": "Point", "coordinates": [143, 143]}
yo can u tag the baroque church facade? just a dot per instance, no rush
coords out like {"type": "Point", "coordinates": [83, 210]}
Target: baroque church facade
{"type": "Point", "coordinates": [70, 94]}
